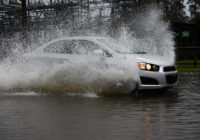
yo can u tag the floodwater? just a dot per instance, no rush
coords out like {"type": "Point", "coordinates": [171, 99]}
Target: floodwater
{"type": "Point", "coordinates": [173, 115]}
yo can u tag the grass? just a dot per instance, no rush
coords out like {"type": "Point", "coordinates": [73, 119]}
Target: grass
{"type": "Point", "coordinates": [188, 66]}
{"type": "Point", "coordinates": [187, 61]}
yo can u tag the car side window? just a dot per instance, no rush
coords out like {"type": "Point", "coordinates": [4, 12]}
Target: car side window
{"type": "Point", "coordinates": [91, 48]}
{"type": "Point", "coordinates": [62, 46]}
{"type": "Point", "coordinates": [84, 47]}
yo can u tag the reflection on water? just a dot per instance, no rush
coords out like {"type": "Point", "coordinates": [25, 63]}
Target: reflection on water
{"type": "Point", "coordinates": [174, 114]}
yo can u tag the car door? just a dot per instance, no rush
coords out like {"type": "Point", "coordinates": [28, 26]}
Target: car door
{"type": "Point", "coordinates": [92, 52]}
{"type": "Point", "coordinates": [74, 51]}
{"type": "Point", "coordinates": [56, 52]}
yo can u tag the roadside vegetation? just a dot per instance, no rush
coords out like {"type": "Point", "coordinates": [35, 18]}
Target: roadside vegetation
{"type": "Point", "coordinates": [188, 66]}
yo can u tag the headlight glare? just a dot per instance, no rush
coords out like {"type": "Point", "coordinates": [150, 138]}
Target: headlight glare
{"type": "Point", "coordinates": [148, 67]}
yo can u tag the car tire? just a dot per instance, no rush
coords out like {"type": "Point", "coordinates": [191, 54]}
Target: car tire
{"type": "Point", "coordinates": [135, 90]}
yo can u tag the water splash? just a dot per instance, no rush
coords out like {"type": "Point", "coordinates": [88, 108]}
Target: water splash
{"type": "Point", "coordinates": [152, 34]}
{"type": "Point", "coordinates": [79, 76]}
{"type": "Point", "coordinates": [87, 95]}
{"type": "Point", "coordinates": [147, 32]}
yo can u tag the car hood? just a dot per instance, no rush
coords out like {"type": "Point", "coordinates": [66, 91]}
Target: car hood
{"type": "Point", "coordinates": [158, 60]}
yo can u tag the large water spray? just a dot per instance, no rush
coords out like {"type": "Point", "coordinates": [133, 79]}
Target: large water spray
{"type": "Point", "coordinates": [146, 32]}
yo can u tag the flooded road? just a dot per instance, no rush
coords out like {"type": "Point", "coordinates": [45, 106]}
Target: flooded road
{"type": "Point", "coordinates": [174, 114]}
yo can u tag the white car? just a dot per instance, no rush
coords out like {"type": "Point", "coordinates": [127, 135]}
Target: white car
{"type": "Point", "coordinates": [155, 72]}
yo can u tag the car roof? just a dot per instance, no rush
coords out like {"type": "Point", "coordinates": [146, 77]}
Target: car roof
{"type": "Point", "coordinates": [71, 38]}
{"type": "Point", "coordinates": [82, 37]}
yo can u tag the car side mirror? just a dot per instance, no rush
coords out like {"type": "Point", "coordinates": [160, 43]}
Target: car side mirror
{"type": "Point", "coordinates": [99, 52]}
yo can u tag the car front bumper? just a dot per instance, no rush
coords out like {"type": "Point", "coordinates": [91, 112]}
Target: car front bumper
{"type": "Point", "coordinates": [157, 80]}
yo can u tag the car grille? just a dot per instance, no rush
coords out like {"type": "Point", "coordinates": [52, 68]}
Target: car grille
{"type": "Point", "coordinates": [170, 68]}
{"type": "Point", "coordinates": [148, 81]}
{"type": "Point", "coordinates": [171, 78]}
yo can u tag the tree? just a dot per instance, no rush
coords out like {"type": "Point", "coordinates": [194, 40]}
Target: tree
{"type": "Point", "coordinates": [196, 19]}
{"type": "Point", "coordinates": [194, 6]}
{"type": "Point", "coordinates": [174, 9]}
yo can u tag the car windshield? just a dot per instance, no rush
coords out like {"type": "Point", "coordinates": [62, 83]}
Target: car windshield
{"type": "Point", "coordinates": [118, 47]}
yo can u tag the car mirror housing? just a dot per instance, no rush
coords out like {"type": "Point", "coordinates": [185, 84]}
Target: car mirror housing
{"type": "Point", "coordinates": [99, 52]}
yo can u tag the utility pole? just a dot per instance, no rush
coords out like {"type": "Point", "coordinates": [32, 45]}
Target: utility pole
{"type": "Point", "coordinates": [24, 14]}
{"type": "Point", "coordinates": [24, 23]}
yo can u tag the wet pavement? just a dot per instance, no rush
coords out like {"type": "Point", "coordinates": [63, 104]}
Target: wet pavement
{"type": "Point", "coordinates": [172, 115]}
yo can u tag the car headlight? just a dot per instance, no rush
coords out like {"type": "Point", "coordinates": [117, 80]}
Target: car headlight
{"type": "Point", "coordinates": [148, 67]}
